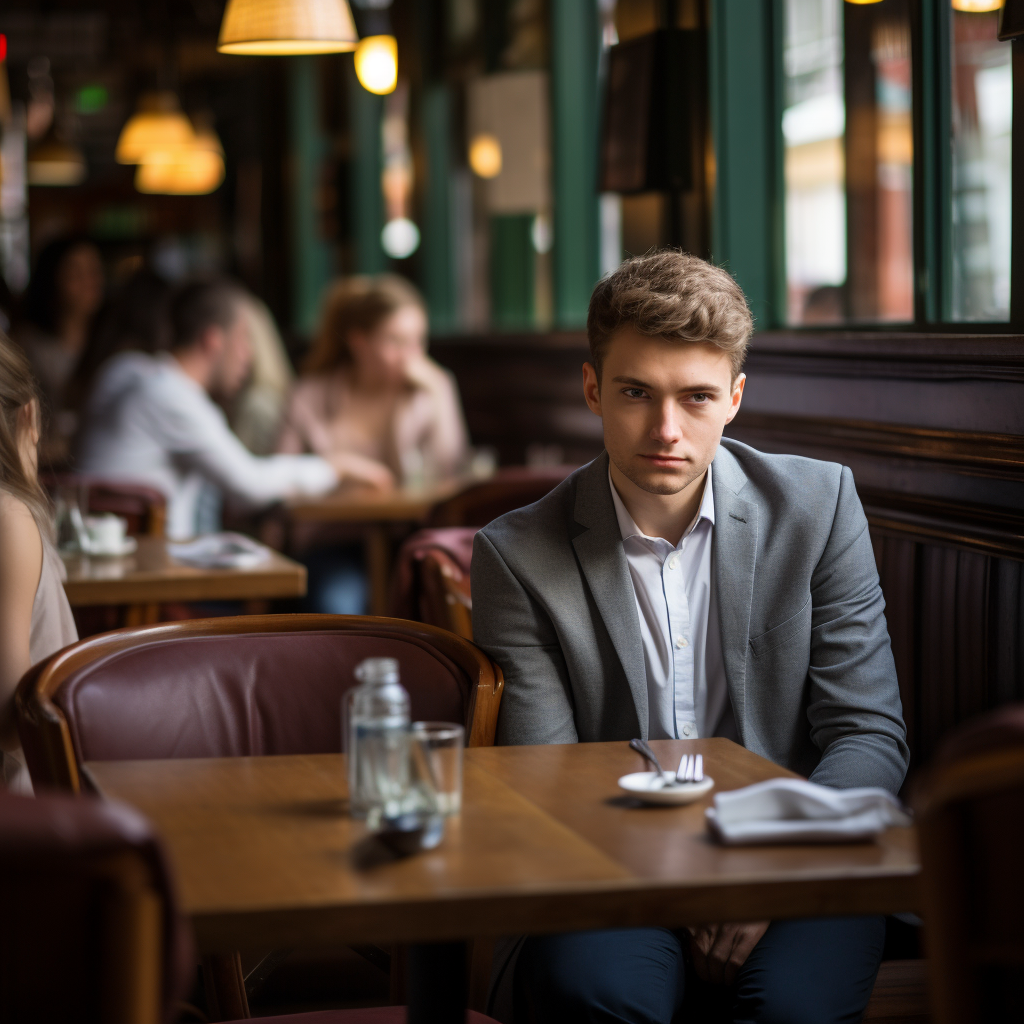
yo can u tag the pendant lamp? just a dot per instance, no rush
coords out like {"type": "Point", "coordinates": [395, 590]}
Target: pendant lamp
{"type": "Point", "coordinates": [193, 169]}
{"type": "Point", "coordinates": [977, 6]}
{"type": "Point", "coordinates": [158, 124]}
{"type": "Point", "coordinates": [55, 163]}
{"type": "Point", "coordinates": [283, 27]}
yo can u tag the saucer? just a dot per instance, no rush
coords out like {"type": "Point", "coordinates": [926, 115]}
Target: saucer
{"type": "Point", "coordinates": [639, 785]}
{"type": "Point", "coordinates": [127, 546]}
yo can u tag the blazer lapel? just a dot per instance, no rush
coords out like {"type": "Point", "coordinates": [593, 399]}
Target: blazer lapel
{"type": "Point", "coordinates": [599, 550]}
{"type": "Point", "coordinates": [735, 552]}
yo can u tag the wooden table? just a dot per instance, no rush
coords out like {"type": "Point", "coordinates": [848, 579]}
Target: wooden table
{"type": "Point", "coordinates": [376, 512]}
{"type": "Point", "coordinates": [151, 577]}
{"type": "Point", "coordinates": [267, 858]}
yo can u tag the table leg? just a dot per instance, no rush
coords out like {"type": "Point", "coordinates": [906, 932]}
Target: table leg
{"type": "Point", "coordinates": [378, 566]}
{"type": "Point", "coordinates": [437, 983]}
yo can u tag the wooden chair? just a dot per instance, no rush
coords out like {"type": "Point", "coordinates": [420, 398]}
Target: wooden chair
{"type": "Point", "coordinates": [167, 690]}
{"type": "Point", "coordinates": [509, 489]}
{"type": "Point", "coordinates": [446, 598]}
{"type": "Point", "coordinates": [970, 818]}
{"type": "Point", "coordinates": [431, 579]}
{"type": "Point", "coordinates": [91, 932]}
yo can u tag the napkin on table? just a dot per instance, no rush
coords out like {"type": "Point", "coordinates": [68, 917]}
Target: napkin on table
{"type": "Point", "coordinates": [220, 551]}
{"type": "Point", "coordinates": [797, 811]}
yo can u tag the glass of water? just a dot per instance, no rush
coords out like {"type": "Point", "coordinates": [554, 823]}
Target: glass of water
{"type": "Point", "coordinates": [437, 759]}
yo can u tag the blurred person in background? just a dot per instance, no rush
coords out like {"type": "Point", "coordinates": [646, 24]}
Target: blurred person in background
{"type": "Point", "coordinates": [370, 395]}
{"type": "Point", "coordinates": [64, 295]}
{"type": "Point", "coordinates": [258, 409]}
{"type": "Point", "coordinates": [134, 319]}
{"type": "Point", "coordinates": [371, 399]}
{"type": "Point", "coordinates": [35, 617]}
{"type": "Point", "coordinates": [156, 418]}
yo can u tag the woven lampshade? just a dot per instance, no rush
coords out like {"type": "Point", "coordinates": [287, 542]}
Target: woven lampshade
{"type": "Point", "coordinates": [281, 27]}
{"type": "Point", "coordinates": [158, 124]}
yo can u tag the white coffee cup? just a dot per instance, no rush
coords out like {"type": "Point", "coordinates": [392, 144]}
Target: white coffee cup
{"type": "Point", "coordinates": [106, 532]}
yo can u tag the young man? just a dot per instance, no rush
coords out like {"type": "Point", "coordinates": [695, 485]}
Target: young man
{"type": "Point", "coordinates": [154, 419]}
{"type": "Point", "coordinates": [685, 585]}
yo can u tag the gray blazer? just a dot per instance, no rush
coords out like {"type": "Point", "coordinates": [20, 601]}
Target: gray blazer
{"type": "Point", "coordinates": [810, 672]}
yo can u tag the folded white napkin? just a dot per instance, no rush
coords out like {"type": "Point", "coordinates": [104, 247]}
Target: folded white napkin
{"type": "Point", "coordinates": [220, 551]}
{"type": "Point", "coordinates": [796, 811]}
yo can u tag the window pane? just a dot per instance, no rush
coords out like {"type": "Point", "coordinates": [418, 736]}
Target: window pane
{"type": "Point", "coordinates": [813, 126]}
{"type": "Point", "coordinates": [848, 162]}
{"type": "Point", "coordinates": [982, 109]}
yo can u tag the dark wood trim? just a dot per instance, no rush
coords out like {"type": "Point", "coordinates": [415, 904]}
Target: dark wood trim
{"type": "Point", "coordinates": [927, 520]}
{"type": "Point", "coordinates": [864, 353]}
{"type": "Point", "coordinates": [889, 354]}
{"type": "Point", "coordinates": [999, 456]}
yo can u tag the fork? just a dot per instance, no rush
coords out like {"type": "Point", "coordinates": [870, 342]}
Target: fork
{"type": "Point", "coordinates": [691, 768]}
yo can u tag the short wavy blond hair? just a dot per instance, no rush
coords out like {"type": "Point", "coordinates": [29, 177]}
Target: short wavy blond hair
{"type": "Point", "coordinates": [673, 295]}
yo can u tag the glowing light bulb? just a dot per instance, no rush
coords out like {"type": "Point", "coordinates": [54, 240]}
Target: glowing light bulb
{"type": "Point", "coordinates": [376, 59]}
{"type": "Point", "coordinates": [400, 238]}
{"type": "Point", "coordinates": [485, 156]}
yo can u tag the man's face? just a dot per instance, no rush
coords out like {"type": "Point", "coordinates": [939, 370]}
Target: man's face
{"type": "Point", "coordinates": [234, 359]}
{"type": "Point", "coordinates": [664, 405]}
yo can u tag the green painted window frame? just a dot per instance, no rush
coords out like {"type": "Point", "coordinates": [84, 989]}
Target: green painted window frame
{"type": "Point", "coordinates": [748, 219]}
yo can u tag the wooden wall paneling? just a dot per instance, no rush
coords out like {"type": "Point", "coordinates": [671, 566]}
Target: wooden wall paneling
{"type": "Point", "coordinates": [896, 558]}
{"type": "Point", "coordinates": [1007, 624]}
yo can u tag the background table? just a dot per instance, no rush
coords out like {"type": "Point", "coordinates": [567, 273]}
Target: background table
{"type": "Point", "coordinates": [151, 577]}
{"type": "Point", "coordinates": [266, 856]}
{"type": "Point", "coordinates": [376, 512]}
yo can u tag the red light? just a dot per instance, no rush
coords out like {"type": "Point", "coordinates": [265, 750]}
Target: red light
{"type": "Point", "coordinates": [3, 47]}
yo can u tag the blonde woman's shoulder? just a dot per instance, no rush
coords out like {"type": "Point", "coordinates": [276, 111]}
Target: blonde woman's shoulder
{"type": "Point", "coordinates": [21, 544]}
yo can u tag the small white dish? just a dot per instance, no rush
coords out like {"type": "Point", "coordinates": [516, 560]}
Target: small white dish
{"type": "Point", "coordinates": [127, 546]}
{"type": "Point", "coordinates": [643, 785]}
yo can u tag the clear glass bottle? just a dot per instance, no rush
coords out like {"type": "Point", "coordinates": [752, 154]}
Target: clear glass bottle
{"type": "Point", "coordinates": [377, 726]}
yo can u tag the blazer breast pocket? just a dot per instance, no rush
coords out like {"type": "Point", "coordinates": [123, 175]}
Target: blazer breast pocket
{"type": "Point", "coordinates": [783, 632]}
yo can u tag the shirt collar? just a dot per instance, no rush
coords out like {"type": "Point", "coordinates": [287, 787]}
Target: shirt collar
{"type": "Point", "coordinates": [629, 529]}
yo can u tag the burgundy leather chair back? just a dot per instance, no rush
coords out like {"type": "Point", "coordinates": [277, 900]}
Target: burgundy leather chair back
{"type": "Point", "coordinates": [243, 694]}
{"type": "Point", "coordinates": [970, 811]}
{"type": "Point", "coordinates": [411, 598]}
{"type": "Point", "coordinates": [509, 489]}
{"type": "Point", "coordinates": [77, 879]}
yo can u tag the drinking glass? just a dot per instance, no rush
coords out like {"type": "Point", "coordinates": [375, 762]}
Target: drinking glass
{"type": "Point", "coordinates": [438, 757]}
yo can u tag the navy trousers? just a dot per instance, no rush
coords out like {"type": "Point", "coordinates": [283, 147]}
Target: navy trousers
{"type": "Point", "coordinates": [806, 971]}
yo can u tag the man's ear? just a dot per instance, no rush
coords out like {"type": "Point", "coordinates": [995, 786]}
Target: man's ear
{"type": "Point", "coordinates": [592, 388]}
{"type": "Point", "coordinates": [736, 396]}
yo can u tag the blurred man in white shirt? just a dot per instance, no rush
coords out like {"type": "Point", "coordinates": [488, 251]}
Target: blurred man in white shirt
{"type": "Point", "coordinates": [155, 419]}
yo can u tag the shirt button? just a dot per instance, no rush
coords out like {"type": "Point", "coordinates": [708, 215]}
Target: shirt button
{"type": "Point", "coordinates": [681, 641]}
{"type": "Point", "coordinates": [687, 729]}
{"type": "Point", "coordinates": [672, 562]}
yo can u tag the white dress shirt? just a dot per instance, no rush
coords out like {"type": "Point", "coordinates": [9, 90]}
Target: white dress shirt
{"type": "Point", "coordinates": [147, 420]}
{"type": "Point", "coordinates": [686, 687]}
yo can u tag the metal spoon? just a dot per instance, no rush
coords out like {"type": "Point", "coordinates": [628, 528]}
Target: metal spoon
{"type": "Point", "coordinates": [648, 755]}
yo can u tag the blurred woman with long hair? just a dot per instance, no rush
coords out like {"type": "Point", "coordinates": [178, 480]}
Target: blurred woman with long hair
{"type": "Point", "coordinates": [370, 391]}
{"type": "Point", "coordinates": [35, 618]}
